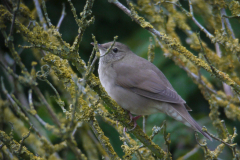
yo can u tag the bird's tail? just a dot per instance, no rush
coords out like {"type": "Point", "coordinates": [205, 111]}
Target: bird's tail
{"type": "Point", "coordinates": [188, 120]}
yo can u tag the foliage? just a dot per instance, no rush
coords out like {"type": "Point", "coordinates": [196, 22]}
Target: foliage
{"type": "Point", "coordinates": [54, 107]}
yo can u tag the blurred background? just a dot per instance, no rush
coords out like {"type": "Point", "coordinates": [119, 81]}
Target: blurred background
{"type": "Point", "coordinates": [109, 22]}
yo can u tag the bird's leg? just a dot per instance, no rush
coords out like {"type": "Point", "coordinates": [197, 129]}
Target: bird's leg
{"type": "Point", "coordinates": [137, 117]}
{"type": "Point", "coordinates": [133, 118]}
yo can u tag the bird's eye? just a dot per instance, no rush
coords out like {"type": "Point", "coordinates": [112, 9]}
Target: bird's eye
{"type": "Point", "coordinates": [115, 50]}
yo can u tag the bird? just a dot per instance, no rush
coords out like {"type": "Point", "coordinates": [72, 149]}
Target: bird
{"type": "Point", "coordinates": [139, 87]}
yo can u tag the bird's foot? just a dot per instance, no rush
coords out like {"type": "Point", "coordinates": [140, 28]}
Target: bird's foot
{"type": "Point", "coordinates": [128, 130]}
{"type": "Point", "coordinates": [134, 119]}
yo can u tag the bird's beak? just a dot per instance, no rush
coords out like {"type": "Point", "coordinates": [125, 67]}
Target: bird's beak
{"type": "Point", "coordinates": [99, 45]}
{"type": "Point", "coordinates": [102, 50]}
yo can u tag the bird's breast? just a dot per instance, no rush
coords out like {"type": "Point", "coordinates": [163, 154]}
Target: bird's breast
{"type": "Point", "coordinates": [107, 76]}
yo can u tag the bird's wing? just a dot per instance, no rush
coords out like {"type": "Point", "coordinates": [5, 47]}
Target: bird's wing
{"type": "Point", "coordinates": [145, 82]}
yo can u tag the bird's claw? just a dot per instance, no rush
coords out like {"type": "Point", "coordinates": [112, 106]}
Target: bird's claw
{"type": "Point", "coordinates": [128, 130]}
{"type": "Point", "coordinates": [132, 119]}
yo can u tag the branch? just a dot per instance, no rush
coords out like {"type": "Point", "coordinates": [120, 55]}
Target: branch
{"type": "Point", "coordinates": [14, 147]}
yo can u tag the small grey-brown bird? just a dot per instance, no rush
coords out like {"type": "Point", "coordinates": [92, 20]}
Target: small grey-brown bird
{"type": "Point", "coordinates": [139, 86]}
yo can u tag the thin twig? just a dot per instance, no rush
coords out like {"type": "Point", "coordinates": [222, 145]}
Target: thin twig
{"type": "Point", "coordinates": [23, 139]}
{"type": "Point", "coordinates": [40, 120]}
{"type": "Point", "coordinates": [7, 6]}
{"type": "Point", "coordinates": [74, 12]}
{"type": "Point", "coordinates": [96, 142]}
{"type": "Point", "coordinates": [189, 154]}
{"type": "Point", "coordinates": [40, 15]}
{"type": "Point", "coordinates": [204, 144]}
{"type": "Point", "coordinates": [11, 47]}
{"type": "Point", "coordinates": [42, 75]}
{"type": "Point", "coordinates": [198, 79]}
{"type": "Point", "coordinates": [72, 145]}
{"type": "Point", "coordinates": [197, 23]}
{"type": "Point", "coordinates": [51, 112]}
{"type": "Point", "coordinates": [78, 124]}
{"type": "Point", "coordinates": [30, 99]}
{"type": "Point", "coordinates": [91, 57]}
{"type": "Point", "coordinates": [75, 100]}
{"type": "Point", "coordinates": [2, 145]}
{"type": "Point", "coordinates": [46, 14]}
{"type": "Point", "coordinates": [144, 124]}
{"type": "Point", "coordinates": [15, 10]}
{"type": "Point", "coordinates": [220, 140]}
{"type": "Point", "coordinates": [155, 131]}
{"type": "Point", "coordinates": [32, 110]}
{"type": "Point", "coordinates": [229, 26]}
{"type": "Point", "coordinates": [9, 70]}
{"type": "Point", "coordinates": [11, 132]}
{"type": "Point", "coordinates": [62, 17]}
{"type": "Point", "coordinates": [83, 22]}
{"type": "Point", "coordinates": [109, 49]}
{"type": "Point", "coordinates": [218, 50]}
{"type": "Point", "coordinates": [167, 139]}
{"type": "Point", "coordinates": [204, 54]}
{"type": "Point", "coordinates": [90, 67]}
{"type": "Point", "coordinates": [227, 89]}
